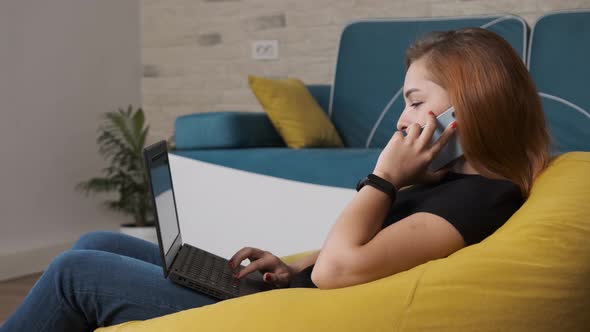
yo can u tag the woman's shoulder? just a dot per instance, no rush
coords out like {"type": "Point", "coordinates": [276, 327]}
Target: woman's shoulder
{"type": "Point", "coordinates": [476, 184]}
{"type": "Point", "coordinates": [458, 189]}
{"type": "Point", "coordinates": [474, 204]}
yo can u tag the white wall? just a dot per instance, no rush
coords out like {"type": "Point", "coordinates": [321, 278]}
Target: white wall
{"type": "Point", "coordinates": [62, 64]}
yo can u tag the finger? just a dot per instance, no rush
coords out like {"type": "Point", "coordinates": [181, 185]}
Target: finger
{"type": "Point", "coordinates": [247, 270]}
{"type": "Point", "coordinates": [239, 256]}
{"type": "Point", "coordinates": [254, 266]}
{"type": "Point", "coordinates": [398, 135]}
{"type": "Point", "coordinates": [273, 278]}
{"type": "Point", "coordinates": [428, 129]}
{"type": "Point", "coordinates": [413, 131]}
{"type": "Point", "coordinates": [444, 138]}
{"type": "Point", "coordinates": [269, 277]}
{"type": "Point", "coordinates": [246, 252]}
{"type": "Point", "coordinates": [283, 279]}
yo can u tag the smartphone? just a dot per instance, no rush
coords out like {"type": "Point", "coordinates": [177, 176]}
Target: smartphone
{"type": "Point", "coordinates": [452, 150]}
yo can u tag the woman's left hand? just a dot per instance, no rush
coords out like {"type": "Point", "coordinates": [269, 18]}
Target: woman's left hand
{"type": "Point", "coordinates": [404, 160]}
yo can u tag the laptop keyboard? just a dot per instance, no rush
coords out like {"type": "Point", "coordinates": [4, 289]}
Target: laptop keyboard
{"type": "Point", "coordinates": [208, 268]}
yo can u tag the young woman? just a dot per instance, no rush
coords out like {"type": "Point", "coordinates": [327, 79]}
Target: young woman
{"type": "Point", "coordinates": [109, 278]}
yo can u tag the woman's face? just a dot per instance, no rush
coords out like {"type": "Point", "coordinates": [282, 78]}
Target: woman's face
{"type": "Point", "coordinates": [421, 96]}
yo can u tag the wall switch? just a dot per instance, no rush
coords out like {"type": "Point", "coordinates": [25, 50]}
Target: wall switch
{"type": "Point", "coordinates": [265, 49]}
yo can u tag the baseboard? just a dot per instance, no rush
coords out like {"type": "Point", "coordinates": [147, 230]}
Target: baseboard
{"type": "Point", "coordinates": [30, 261]}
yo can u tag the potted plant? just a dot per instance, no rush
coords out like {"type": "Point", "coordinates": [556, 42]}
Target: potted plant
{"type": "Point", "coordinates": [121, 139]}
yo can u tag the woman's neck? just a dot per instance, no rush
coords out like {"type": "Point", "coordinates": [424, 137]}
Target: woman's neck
{"type": "Point", "coordinates": [462, 166]}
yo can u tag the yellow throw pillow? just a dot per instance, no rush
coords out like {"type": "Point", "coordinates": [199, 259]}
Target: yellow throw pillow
{"type": "Point", "coordinates": [294, 113]}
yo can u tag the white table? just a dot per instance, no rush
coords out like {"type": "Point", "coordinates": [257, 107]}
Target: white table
{"type": "Point", "coordinates": [222, 209]}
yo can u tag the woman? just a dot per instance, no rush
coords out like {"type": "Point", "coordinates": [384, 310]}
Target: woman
{"type": "Point", "coordinates": [109, 278]}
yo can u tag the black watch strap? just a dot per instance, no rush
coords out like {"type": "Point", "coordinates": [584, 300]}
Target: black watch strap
{"type": "Point", "coordinates": [378, 183]}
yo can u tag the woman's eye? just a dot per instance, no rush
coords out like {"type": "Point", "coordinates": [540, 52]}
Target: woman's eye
{"type": "Point", "coordinates": [416, 104]}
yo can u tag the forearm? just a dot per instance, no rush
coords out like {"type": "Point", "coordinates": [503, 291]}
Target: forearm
{"type": "Point", "coordinates": [358, 223]}
{"type": "Point", "coordinates": [304, 262]}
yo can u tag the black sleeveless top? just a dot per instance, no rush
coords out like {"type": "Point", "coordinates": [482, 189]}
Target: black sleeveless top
{"type": "Point", "coordinates": [476, 206]}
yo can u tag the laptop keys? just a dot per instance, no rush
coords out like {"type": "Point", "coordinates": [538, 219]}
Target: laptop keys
{"type": "Point", "coordinates": [210, 269]}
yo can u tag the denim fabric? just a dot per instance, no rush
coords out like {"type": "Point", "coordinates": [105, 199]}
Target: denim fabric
{"type": "Point", "coordinates": [106, 279]}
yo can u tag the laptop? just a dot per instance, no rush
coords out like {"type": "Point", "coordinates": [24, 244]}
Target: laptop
{"type": "Point", "coordinates": [182, 263]}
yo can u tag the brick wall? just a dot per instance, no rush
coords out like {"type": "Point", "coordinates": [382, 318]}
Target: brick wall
{"type": "Point", "coordinates": [196, 54]}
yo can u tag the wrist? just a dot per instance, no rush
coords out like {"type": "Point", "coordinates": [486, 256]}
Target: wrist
{"type": "Point", "coordinates": [376, 193]}
{"type": "Point", "coordinates": [380, 184]}
{"type": "Point", "coordinates": [388, 177]}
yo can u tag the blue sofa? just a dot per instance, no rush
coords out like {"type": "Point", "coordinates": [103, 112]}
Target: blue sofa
{"type": "Point", "coordinates": [364, 100]}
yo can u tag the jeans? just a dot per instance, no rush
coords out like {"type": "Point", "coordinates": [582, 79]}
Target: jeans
{"type": "Point", "coordinates": [106, 279]}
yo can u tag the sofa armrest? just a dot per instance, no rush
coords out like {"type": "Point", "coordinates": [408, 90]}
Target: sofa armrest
{"type": "Point", "coordinates": [321, 93]}
{"type": "Point", "coordinates": [219, 130]}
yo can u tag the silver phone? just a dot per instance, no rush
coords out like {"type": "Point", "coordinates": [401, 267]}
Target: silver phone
{"type": "Point", "coordinates": [452, 150]}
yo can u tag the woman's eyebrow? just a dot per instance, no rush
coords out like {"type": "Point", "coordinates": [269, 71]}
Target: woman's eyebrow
{"type": "Point", "coordinates": [410, 91]}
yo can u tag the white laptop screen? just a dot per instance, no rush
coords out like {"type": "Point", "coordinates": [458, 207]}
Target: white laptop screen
{"type": "Point", "coordinates": [165, 207]}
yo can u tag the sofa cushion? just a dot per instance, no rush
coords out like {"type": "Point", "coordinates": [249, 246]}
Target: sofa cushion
{"type": "Point", "coordinates": [530, 275]}
{"type": "Point", "coordinates": [235, 129]}
{"type": "Point", "coordinates": [321, 93]}
{"type": "Point", "coordinates": [218, 130]}
{"type": "Point", "coordinates": [294, 112]}
{"type": "Point", "coordinates": [339, 167]}
{"type": "Point", "coordinates": [370, 70]}
{"type": "Point", "coordinates": [558, 62]}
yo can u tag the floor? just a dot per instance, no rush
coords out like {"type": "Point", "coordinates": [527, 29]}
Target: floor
{"type": "Point", "coordinates": [12, 293]}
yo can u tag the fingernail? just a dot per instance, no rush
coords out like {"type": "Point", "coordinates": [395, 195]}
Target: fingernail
{"type": "Point", "coordinates": [431, 113]}
{"type": "Point", "coordinates": [454, 124]}
{"type": "Point", "coordinates": [266, 277]}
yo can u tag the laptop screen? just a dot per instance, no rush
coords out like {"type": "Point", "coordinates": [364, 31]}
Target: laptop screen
{"type": "Point", "coordinates": [164, 200]}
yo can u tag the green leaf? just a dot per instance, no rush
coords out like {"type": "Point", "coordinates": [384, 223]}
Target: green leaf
{"type": "Point", "coordinates": [121, 123]}
{"type": "Point", "coordinates": [121, 138]}
{"type": "Point", "coordinates": [97, 185]}
{"type": "Point", "coordinates": [138, 121]}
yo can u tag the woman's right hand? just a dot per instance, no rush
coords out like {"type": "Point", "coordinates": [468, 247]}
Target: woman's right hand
{"type": "Point", "coordinates": [273, 269]}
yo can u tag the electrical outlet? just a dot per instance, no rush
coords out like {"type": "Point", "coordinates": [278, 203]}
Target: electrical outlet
{"type": "Point", "coordinates": [265, 49]}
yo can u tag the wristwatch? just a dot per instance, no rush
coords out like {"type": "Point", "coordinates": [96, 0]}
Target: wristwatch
{"type": "Point", "coordinates": [378, 183]}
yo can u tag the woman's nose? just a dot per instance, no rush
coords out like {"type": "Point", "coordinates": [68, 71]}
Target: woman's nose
{"type": "Point", "coordinates": [402, 125]}
{"type": "Point", "coordinates": [403, 122]}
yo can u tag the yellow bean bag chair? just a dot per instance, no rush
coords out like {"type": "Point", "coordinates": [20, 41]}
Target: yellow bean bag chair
{"type": "Point", "coordinates": [533, 274]}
